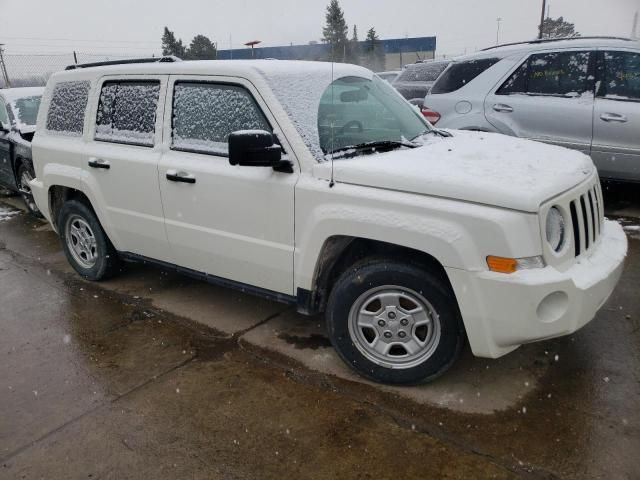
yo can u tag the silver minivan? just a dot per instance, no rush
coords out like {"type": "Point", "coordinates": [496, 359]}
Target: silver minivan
{"type": "Point", "coordinates": [579, 93]}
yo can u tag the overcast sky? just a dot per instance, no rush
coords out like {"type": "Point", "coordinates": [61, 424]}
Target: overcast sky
{"type": "Point", "coordinates": [135, 26]}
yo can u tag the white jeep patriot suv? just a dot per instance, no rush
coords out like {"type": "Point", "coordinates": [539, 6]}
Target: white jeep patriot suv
{"type": "Point", "coordinates": [320, 186]}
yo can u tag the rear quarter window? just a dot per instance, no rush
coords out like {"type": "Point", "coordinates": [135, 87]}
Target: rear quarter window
{"type": "Point", "coordinates": [67, 108]}
{"type": "Point", "coordinates": [461, 73]}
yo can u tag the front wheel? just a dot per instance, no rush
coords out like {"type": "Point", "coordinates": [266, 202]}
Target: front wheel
{"type": "Point", "coordinates": [394, 323]}
{"type": "Point", "coordinates": [85, 243]}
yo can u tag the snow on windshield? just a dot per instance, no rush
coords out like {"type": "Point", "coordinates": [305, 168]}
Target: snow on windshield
{"type": "Point", "coordinates": [299, 92]}
{"type": "Point", "coordinates": [25, 111]}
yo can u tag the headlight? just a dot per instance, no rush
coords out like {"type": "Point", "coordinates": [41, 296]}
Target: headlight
{"type": "Point", "coordinates": [556, 231]}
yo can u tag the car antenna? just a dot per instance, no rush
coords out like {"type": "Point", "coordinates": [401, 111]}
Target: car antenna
{"type": "Point", "coordinates": [332, 183]}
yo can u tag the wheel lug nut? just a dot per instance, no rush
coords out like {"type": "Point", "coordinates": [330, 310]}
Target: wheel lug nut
{"type": "Point", "coordinates": [404, 322]}
{"type": "Point", "coordinates": [392, 315]}
{"type": "Point", "coordinates": [402, 334]}
{"type": "Point", "coordinates": [382, 323]}
{"type": "Point", "coordinates": [387, 335]}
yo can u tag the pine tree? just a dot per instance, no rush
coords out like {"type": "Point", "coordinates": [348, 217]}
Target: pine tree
{"type": "Point", "coordinates": [201, 48]}
{"type": "Point", "coordinates": [171, 46]}
{"type": "Point", "coordinates": [354, 51]}
{"type": "Point", "coordinates": [374, 51]}
{"type": "Point", "coordinates": [335, 31]}
{"type": "Point", "coordinates": [558, 28]}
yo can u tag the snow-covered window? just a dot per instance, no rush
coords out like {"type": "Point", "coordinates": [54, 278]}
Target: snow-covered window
{"type": "Point", "coordinates": [204, 114]}
{"type": "Point", "coordinates": [67, 107]}
{"type": "Point", "coordinates": [127, 112]}
{"type": "Point", "coordinates": [555, 73]}
{"type": "Point", "coordinates": [621, 76]}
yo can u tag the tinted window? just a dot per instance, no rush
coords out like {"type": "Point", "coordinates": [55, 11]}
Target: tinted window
{"type": "Point", "coordinates": [559, 73]}
{"type": "Point", "coordinates": [621, 76]}
{"type": "Point", "coordinates": [67, 107]}
{"type": "Point", "coordinates": [4, 118]}
{"type": "Point", "coordinates": [127, 112]}
{"type": "Point", "coordinates": [204, 114]}
{"type": "Point", "coordinates": [460, 74]}
{"type": "Point", "coordinates": [422, 72]}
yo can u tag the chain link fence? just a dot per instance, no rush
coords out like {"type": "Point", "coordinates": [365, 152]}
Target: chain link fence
{"type": "Point", "coordinates": [33, 70]}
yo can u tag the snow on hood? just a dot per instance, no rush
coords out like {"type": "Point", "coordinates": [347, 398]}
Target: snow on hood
{"type": "Point", "coordinates": [477, 167]}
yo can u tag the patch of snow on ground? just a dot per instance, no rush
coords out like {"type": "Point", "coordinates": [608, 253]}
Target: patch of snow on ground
{"type": "Point", "coordinates": [7, 212]}
{"type": "Point", "coordinates": [633, 231]}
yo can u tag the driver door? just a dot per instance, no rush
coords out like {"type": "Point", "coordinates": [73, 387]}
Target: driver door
{"type": "Point", "coordinates": [233, 222]}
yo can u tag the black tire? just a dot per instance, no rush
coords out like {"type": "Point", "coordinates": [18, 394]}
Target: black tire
{"type": "Point", "coordinates": [373, 275]}
{"type": "Point", "coordinates": [107, 262]}
{"type": "Point", "coordinates": [25, 171]}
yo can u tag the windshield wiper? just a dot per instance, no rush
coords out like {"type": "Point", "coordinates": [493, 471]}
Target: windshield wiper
{"type": "Point", "coordinates": [435, 131]}
{"type": "Point", "coordinates": [384, 145]}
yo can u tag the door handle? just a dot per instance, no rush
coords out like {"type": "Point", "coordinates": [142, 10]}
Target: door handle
{"type": "Point", "coordinates": [613, 117]}
{"type": "Point", "coordinates": [183, 177]}
{"type": "Point", "coordinates": [501, 107]}
{"type": "Point", "coordinates": [99, 163]}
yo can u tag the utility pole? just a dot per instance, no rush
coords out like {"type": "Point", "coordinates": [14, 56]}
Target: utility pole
{"type": "Point", "coordinates": [3, 67]}
{"type": "Point", "coordinates": [499, 19]}
{"type": "Point", "coordinates": [544, 8]}
{"type": "Point", "coordinates": [634, 30]}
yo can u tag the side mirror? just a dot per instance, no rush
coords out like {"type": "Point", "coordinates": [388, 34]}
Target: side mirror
{"type": "Point", "coordinates": [256, 148]}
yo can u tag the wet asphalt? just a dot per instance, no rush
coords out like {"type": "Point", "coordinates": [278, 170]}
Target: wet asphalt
{"type": "Point", "coordinates": [128, 379]}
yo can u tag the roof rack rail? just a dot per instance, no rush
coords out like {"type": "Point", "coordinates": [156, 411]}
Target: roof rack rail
{"type": "Point", "coordinates": [559, 39]}
{"type": "Point", "coordinates": [166, 59]}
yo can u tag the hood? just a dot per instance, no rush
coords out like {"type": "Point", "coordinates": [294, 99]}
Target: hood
{"type": "Point", "coordinates": [485, 168]}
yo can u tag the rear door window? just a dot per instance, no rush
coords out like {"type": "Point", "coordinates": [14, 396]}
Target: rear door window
{"type": "Point", "coordinates": [127, 112]}
{"type": "Point", "coordinates": [554, 73]}
{"type": "Point", "coordinates": [67, 108]}
{"type": "Point", "coordinates": [460, 74]}
{"type": "Point", "coordinates": [422, 72]}
{"type": "Point", "coordinates": [204, 114]}
{"type": "Point", "coordinates": [620, 78]}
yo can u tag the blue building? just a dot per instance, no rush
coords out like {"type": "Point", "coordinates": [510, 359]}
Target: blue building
{"type": "Point", "coordinates": [398, 51]}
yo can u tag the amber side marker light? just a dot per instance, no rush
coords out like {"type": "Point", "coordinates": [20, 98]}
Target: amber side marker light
{"type": "Point", "coordinates": [502, 265]}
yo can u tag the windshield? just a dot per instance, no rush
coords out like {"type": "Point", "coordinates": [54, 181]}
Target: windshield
{"type": "Point", "coordinates": [356, 110]}
{"type": "Point", "coordinates": [25, 110]}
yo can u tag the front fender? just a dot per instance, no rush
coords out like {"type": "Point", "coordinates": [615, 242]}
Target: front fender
{"type": "Point", "coordinates": [457, 234]}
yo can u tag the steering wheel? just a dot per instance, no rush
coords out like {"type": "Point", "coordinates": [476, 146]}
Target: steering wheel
{"type": "Point", "coordinates": [353, 124]}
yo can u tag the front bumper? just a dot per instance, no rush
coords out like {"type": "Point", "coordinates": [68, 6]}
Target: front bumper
{"type": "Point", "coordinates": [502, 312]}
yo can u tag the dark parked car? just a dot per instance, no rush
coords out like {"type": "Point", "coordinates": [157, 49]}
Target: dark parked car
{"type": "Point", "coordinates": [415, 80]}
{"type": "Point", "coordinates": [18, 114]}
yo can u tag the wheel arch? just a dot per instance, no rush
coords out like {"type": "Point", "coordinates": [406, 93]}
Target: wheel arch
{"type": "Point", "coordinates": [339, 252]}
{"type": "Point", "coordinates": [58, 195]}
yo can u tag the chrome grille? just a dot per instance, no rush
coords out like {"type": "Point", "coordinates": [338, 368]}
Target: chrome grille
{"type": "Point", "coordinates": [587, 216]}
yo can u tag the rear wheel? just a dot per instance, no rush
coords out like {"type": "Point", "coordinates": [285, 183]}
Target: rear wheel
{"type": "Point", "coordinates": [394, 323]}
{"type": "Point", "coordinates": [85, 243]}
{"type": "Point", "coordinates": [25, 175]}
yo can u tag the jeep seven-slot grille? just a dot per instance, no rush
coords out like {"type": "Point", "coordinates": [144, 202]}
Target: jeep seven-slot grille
{"type": "Point", "coordinates": [587, 215]}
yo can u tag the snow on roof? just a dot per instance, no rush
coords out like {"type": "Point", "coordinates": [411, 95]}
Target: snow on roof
{"type": "Point", "coordinates": [502, 51]}
{"type": "Point", "coordinates": [13, 94]}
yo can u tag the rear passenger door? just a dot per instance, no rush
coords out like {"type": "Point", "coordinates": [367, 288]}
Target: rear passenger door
{"type": "Point", "coordinates": [121, 162]}
{"type": "Point", "coordinates": [549, 98]}
{"type": "Point", "coordinates": [234, 222]}
{"type": "Point", "coordinates": [616, 120]}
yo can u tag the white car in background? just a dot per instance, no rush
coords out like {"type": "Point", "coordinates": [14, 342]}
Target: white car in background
{"type": "Point", "coordinates": [581, 93]}
{"type": "Point", "coordinates": [318, 185]}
